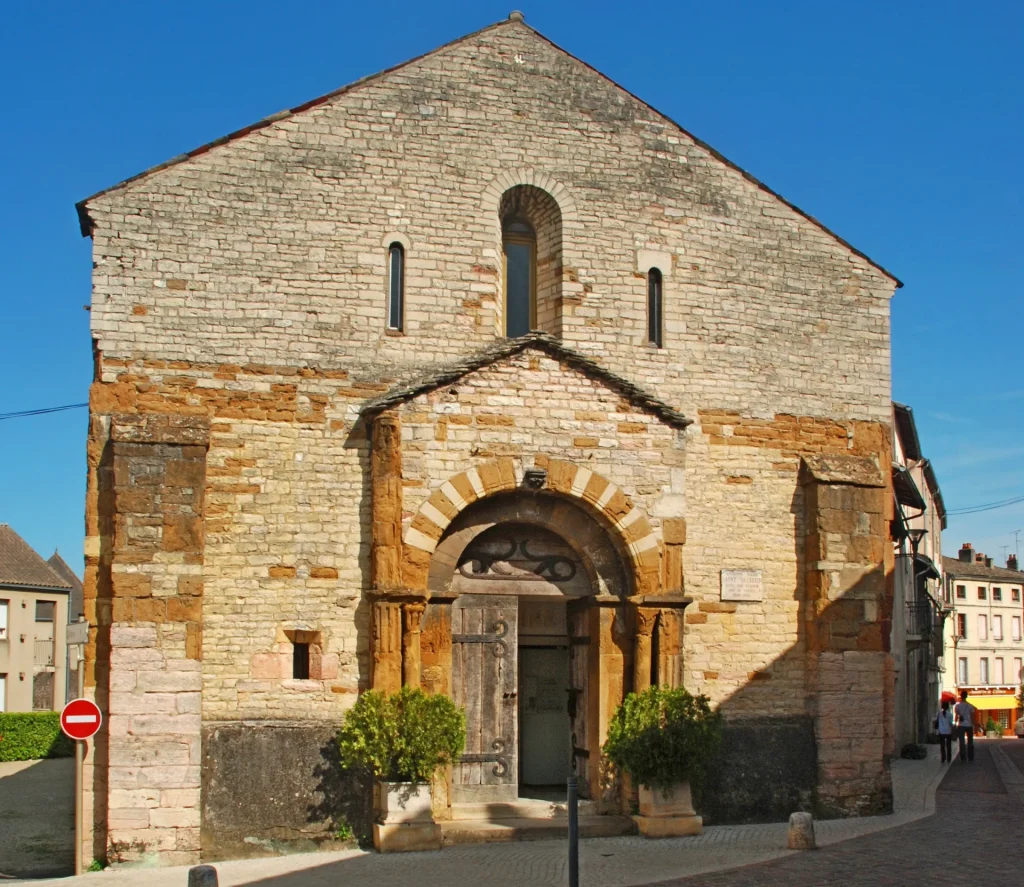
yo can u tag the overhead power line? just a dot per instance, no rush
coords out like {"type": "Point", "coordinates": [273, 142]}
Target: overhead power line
{"type": "Point", "coordinates": [42, 412]}
{"type": "Point", "coordinates": [975, 509]}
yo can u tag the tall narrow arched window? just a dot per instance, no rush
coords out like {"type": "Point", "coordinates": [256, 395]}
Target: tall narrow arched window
{"type": "Point", "coordinates": [655, 307]}
{"type": "Point", "coordinates": [396, 286]}
{"type": "Point", "coordinates": [519, 243]}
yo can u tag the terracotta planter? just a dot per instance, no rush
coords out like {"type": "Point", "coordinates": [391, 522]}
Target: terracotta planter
{"type": "Point", "coordinates": [668, 814]}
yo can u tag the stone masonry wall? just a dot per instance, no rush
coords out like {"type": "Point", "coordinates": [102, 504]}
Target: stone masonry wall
{"type": "Point", "coordinates": [150, 620]}
{"type": "Point", "coordinates": [271, 248]}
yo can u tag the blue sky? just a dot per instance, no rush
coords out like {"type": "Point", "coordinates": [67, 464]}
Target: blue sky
{"type": "Point", "coordinates": [900, 126]}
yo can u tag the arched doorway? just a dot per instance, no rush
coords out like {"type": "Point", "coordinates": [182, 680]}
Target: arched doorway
{"type": "Point", "coordinates": [524, 574]}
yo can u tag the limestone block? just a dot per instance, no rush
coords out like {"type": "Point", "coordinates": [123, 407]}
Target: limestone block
{"type": "Point", "coordinates": [669, 826]}
{"type": "Point", "coordinates": [801, 832]}
{"type": "Point", "coordinates": [405, 837]}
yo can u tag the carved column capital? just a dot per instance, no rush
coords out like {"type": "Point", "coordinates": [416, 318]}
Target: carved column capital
{"type": "Point", "coordinates": [412, 615]}
{"type": "Point", "coordinates": [646, 618]}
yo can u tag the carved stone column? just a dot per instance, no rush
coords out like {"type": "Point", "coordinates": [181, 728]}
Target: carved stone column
{"type": "Point", "coordinates": [646, 618]}
{"type": "Point", "coordinates": [412, 617]}
{"type": "Point", "coordinates": [387, 646]}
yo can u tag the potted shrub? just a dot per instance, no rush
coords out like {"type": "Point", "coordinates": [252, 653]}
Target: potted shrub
{"type": "Point", "coordinates": [665, 739]}
{"type": "Point", "coordinates": [401, 739]}
{"type": "Point", "coordinates": [993, 730]}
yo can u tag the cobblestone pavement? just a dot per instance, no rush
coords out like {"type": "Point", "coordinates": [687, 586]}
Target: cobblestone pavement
{"type": "Point", "coordinates": [978, 813]}
{"type": "Point", "coordinates": [605, 862]}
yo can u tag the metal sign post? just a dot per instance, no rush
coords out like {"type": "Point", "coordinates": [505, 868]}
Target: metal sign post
{"type": "Point", "coordinates": [77, 635]}
{"type": "Point", "coordinates": [574, 835]}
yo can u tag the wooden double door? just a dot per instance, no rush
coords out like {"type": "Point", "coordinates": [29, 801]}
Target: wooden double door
{"type": "Point", "coordinates": [486, 668]}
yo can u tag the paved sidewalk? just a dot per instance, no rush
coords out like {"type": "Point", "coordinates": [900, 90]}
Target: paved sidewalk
{"type": "Point", "coordinates": [604, 862]}
{"type": "Point", "coordinates": [37, 818]}
{"type": "Point", "coordinates": [976, 813]}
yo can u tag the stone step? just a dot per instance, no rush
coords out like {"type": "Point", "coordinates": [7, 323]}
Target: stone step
{"type": "Point", "coordinates": [524, 808]}
{"type": "Point", "coordinates": [466, 831]}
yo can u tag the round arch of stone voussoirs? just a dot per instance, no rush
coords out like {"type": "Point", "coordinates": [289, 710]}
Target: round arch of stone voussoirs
{"type": "Point", "coordinates": [599, 557]}
{"type": "Point", "coordinates": [586, 509]}
{"type": "Point", "coordinates": [512, 178]}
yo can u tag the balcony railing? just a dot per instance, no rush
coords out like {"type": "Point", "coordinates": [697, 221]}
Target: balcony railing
{"type": "Point", "coordinates": [920, 619]}
{"type": "Point", "coordinates": [43, 653]}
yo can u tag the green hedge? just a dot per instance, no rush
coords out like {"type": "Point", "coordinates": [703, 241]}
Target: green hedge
{"type": "Point", "coordinates": [27, 736]}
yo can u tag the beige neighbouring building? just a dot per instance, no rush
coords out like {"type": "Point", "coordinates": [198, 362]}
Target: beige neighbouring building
{"type": "Point", "coordinates": [33, 627]}
{"type": "Point", "coordinates": [479, 375]}
{"type": "Point", "coordinates": [984, 643]}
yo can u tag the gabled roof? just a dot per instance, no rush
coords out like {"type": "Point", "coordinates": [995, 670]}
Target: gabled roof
{"type": "Point", "coordinates": [20, 565]}
{"type": "Point", "coordinates": [61, 568]}
{"type": "Point", "coordinates": [551, 346]}
{"type": "Point", "coordinates": [957, 568]}
{"type": "Point", "coordinates": [514, 20]}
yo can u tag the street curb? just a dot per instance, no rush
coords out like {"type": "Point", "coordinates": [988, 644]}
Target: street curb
{"type": "Point", "coordinates": [931, 789]}
{"type": "Point", "coordinates": [1011, 777]}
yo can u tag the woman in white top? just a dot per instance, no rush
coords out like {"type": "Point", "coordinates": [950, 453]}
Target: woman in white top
{"type": "Point", "coordinates": [944, 725]}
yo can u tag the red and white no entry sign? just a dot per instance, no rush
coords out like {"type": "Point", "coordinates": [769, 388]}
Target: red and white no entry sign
{"type": "Point", "coordinates": [80, 719]}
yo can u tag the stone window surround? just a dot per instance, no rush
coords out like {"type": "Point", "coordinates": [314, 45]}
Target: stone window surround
{"type": "Point", "coordinates": [402, 240]}
{"type": "Point", "coordinates": [648, 260]}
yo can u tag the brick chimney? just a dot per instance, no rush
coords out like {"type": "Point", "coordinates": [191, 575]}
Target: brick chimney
{"type": "Point", "coordinates": [988, 562]}
{"type": "Point", "coordinates": [966, 553]}
{"type": "Point", "coordinates": [1011, 562]}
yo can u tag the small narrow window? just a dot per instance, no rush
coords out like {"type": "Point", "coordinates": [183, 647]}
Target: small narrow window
{"type": "Point", "coordinates": [44, 611]}
{"type": "Point", "coordinates": [396, 286]}
{"type": "Point", "coordinates": [997, 594]}
{"type": "Point", "coordinates": [982, 593]}
{"type": "Point", "coordinates": [961, 592]}
{"type": "Point", "coordinates": [961, 625]}
{"type": "Point", "coordinates": [300, 661]}
{"type": "Point", "coordinates": [655, 307]}
{"type": "Point", "coordinates": [962, 671]}
{"type": "Point", "coordinates": [519, 245]}
{"type": "Point", "coordinates": [983, 672]}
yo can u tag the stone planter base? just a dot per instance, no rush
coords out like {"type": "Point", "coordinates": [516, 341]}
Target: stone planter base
{"type": "Point", "coordinates": [669, 826]}
{"type": "Point", "coordinates": [403, 837]}
{"type": "Point", "coordinates": [668, 814]}
{"type": "Point", "coordinates": [405, 822]}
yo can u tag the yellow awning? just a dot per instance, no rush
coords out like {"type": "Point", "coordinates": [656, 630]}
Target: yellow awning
{"type": "Point", "coordinates": [989, 703]}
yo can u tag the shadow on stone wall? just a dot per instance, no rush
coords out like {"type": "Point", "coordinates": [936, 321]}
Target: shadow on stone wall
{"type": "Point", "coordinates": [269, 789]}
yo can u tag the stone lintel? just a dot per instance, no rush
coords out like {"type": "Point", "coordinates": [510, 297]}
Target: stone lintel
{"type": "Point", "coordinates": [857, 471]}
{"type": "Point", "coordinates": [160, 428]}
{"type": "Point", "coordinates": [662, 601]}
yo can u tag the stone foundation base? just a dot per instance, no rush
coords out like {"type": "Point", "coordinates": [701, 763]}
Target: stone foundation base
{"type": "Point", "coordinates": [403, 837]}
{"type": "Point", "coordinates": [669, 826]}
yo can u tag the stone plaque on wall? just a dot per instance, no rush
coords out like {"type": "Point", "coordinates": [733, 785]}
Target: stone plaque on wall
{"type": "Point", "coordinates": [742, 585]}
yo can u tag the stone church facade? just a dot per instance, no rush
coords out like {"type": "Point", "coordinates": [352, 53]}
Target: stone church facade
{"type": "Point", "coordinates": [483, 376]}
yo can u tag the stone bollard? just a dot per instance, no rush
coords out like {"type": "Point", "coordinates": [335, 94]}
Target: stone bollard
{"type": "Point", "coordinates": [202, 876]}
{"type": "Point", "coordinates": [801, 832]}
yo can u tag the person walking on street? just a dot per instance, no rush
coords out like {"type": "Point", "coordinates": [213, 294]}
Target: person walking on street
{"type": "Point", "coordinates": [944, 725]}
{"type": "Point", "coordinates": [964, 712]}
